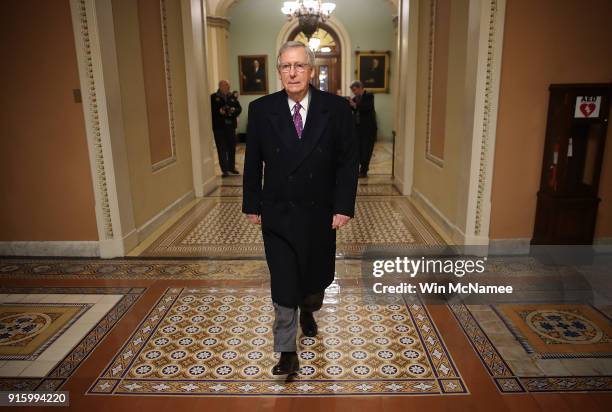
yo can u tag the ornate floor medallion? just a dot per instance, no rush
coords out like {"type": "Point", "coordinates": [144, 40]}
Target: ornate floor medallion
{"type": "Point", "coordinates": [27, 330]}
{"type": "Point", "coordinates": [43, 344]}
{"type": "Point", "coordinates": [540, 347]}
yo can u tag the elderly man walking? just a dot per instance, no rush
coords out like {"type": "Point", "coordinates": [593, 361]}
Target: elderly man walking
{"type": "Point", "coordinates": [302, 142]}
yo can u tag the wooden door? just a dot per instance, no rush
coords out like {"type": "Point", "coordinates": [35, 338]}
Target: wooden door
{"type": "Point", "coordinates": [327, 74]}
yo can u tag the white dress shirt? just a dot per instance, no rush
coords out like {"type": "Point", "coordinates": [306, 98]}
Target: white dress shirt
{"type": "Point", "coordinates": [303, 110]}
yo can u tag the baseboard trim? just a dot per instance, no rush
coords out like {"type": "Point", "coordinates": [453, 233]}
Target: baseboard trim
{"type": "Point", "coordinates": [603, 245]}
{"type": "Point", "coordinates": [209, 185]}
{"type": "Point", "coordinates": [522, 246]}
{"type": "Point", "coordinates": [451, 233]}
{"type": "Point", "coordinates": [398, 183]}
{"type": "Point", "coordinates": [85, 248]}
{"type": "Point", "coordinates": [159, 219]}
{"type": "Point", "coordinates": [515, 246]}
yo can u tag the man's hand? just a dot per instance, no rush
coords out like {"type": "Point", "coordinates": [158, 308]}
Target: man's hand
{"type": "Point", "coordinates": [339, 221]}
{"type": "Point", "coordinates": [255, 219]}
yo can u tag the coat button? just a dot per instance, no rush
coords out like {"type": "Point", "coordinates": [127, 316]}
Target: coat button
{"type": "Point", "coordinates": [277, 149]}
{"type": "Point", "coordinates": [291, 178]}
{"type": "Point", "coordinates": [310, 175]}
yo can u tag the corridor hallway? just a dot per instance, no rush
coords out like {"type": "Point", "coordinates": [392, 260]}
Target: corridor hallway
{"type": "Point", "coordinates": [187, 324]}
{"type": "Point", "coordinates": [214, 226]}
{"type": "Point", "coordinates": [131, 281]}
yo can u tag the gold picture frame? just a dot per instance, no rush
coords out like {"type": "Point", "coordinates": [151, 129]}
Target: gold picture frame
{"type": "Point", "coordinates": [373, 70]}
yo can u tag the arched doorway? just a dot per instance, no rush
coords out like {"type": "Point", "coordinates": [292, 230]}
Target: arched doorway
{"type": "Point", "coordinates": [328, 64]}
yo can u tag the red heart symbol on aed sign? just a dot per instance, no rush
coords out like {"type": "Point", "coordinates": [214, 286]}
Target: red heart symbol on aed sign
{"type": "Point", "coordinates": [587, 109]}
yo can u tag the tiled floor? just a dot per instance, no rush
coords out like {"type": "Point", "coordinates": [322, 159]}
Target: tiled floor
{"type": "Point", "coordinates": [84, 368]}
{"type": "Point", "coordinates": [194, 332]}
{"type": "Point", "coordinates": [213, 341]}
{"type": "Point", "coordinates": [215, 227]}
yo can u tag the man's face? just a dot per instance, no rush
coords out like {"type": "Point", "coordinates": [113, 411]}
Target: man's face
{"type": "Point", "coordinates": [256, 64]}
{"type": "Point", "coordinates": [374, 64]}
{"type": "Point", "coordinates": [224, 87]}
{"type": "Point", "coordinates": [357, 91]}
{"type": "Point", "coordinates": [293, 81]}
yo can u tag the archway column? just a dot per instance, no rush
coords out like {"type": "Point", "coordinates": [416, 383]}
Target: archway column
{"type": "Point", "coordinates": [217, 50]}
{"type": "Point", "coordinates": [469, 222]}
{"type": "Point", "coordinates": [406, 67]}
{"type": "Point", "coordinates": [99, 77]}
{"type": "Point", "coordinates": [485, 45]}
{"type": "Point", "coordinates": [198, 92]}
{"type": "Point", "coordinates": [93, 28]}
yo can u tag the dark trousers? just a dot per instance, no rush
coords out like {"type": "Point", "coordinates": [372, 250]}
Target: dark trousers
{"type": "Point", "coordinates": [366, 146]}
{"type": "Point", "coordinates": [286, 321]}
{"type": "Point", "coordinates": [225, 140]}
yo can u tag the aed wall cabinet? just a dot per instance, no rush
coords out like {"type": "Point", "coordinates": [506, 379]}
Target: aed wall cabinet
{"type": "Point", "coordinates": [573, 154]}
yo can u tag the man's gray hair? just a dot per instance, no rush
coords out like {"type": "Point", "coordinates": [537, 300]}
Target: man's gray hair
{"type": "Point", "coordinates": [292, 45]}
{"type": "Point", "coordinates": [357, 83]}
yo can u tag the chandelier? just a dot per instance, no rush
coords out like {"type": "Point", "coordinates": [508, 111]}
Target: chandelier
{"type": "Point", "coordinates": [310, 13]}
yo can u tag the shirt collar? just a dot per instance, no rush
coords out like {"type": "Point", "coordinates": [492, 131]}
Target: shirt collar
{"type": "Point", "coordinates": [304, 102]}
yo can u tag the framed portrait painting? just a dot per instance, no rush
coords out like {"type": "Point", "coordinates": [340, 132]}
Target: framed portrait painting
{"type": "Point", "coordinates": [253, 74]}
{"type": "Point", "coordinates": [372, 69]}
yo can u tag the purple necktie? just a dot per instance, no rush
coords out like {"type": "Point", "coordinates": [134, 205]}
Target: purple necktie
{"type": "Point", "coordinates": [297, 120]}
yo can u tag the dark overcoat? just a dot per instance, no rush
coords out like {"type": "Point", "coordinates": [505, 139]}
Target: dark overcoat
{"type": "Point", "coordinates": [228, 120]}
{"type": "Point", "coordinates": [305, 182]}
{"type": "Point", "coordinates": [365, 116]}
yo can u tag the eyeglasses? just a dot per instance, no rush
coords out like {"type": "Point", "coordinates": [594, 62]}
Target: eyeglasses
{"type": "Point", "coordinates": [299, 67]}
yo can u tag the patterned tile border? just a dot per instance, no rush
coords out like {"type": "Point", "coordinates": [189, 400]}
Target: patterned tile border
{"type": "Point", "coordinates": [244, 269]}
{"type": "Point", "coordinates": [505, 379]}
{"type": "Point", "coordinates": [113, 380]}
{"type": "Point", "coordinates": [56, 378]}
{"type": "Point", "coordinates": [133, 269]}
{"type": "Point", "coordinates": [365, 189]}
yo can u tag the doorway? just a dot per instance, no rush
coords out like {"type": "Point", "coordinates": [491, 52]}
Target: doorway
{"type": "Point", "coordinates": [328, 65]}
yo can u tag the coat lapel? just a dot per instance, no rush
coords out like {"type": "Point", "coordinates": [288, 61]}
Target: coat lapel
{"type": "Point", "coordinates": [283, 123]}
{"type": "Point", "coordinates": [316, 121]}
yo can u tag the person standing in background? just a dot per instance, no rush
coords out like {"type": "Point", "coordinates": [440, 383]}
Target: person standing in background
{"type": "Point", "coordinates": [365, 123]}
{"type": "Point", "coordinates": [225, 109]}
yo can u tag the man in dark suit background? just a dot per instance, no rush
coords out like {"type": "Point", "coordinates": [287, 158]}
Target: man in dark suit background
{"type": "Point", "coordinates": [365, 123]}
{"type": "Point", "coordinates": [305, 139]}
{"type": "Point", "coordinates": [225, 109]}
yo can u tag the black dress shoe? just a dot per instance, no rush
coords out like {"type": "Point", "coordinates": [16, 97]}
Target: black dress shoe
{"type": "Point", "coordinates": [224, 174]}
{"type": "Point", "coordinates": [235, 172]}
{"type": "Point", "coordinates": [287, 365]}
{"type": "Point", "coordinates": [308, 324]}
{"type": "Point", "coordinates": [363, 174]}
